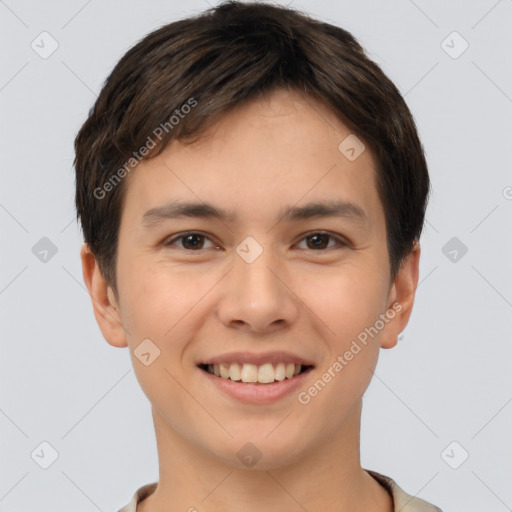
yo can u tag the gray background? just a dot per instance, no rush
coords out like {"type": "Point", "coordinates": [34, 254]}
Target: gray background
{"type": "Point", "coordinates": [448, 379]}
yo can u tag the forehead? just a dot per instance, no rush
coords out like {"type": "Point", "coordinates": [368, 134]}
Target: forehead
{"type": "Point", "coordinates": [284, 148]}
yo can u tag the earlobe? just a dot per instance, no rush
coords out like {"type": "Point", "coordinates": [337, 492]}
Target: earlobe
{"type": "Point", "coordinates": [401, 298]}
{"type": "Point", "coordinates": [105, 307]}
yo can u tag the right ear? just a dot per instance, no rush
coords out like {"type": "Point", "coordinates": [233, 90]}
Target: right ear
{"type": "Point", "coordinates": [106, 309]}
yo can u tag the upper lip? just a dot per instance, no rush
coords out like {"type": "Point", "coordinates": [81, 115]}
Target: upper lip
{"type": "Point", "coordinates": [258, 359]}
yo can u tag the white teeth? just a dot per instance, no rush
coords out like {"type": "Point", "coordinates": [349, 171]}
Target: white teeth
{"type": "Point", "coordinates": [280, 372]}
{"type": "Point", "coordinates": [249, 373]}
{"type": "Point", "coordinates": [224, 371]}
{"type": "Point", "coordinates": [234, 371]}
{"type": "Point", "coordinates": [252, 373]}
{"type": "Point", "coordinates": [290, 370]}
{"type": "Point", "coordinates": [266, 373]}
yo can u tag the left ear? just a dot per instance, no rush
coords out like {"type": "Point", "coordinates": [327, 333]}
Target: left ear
{"type": "Point", "coordinates": [401, 298]}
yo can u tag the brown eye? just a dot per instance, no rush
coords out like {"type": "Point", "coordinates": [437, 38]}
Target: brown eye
{"type": "Point", "coordinates": [189, 241]}
{"type": "Point", "coordinates": [320, 241]}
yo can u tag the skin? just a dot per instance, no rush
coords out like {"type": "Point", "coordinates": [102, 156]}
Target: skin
{"type": "Point", "coordinates": [195, 303]}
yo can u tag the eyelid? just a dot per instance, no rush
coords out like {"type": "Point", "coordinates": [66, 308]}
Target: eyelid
{"type": "Point", "coordinates": [340, 240]}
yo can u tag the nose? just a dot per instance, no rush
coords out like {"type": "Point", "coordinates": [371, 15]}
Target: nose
{"type": "Point", "coordinates": [258, 296]}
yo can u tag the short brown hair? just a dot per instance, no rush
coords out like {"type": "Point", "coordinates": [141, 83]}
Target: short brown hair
{"type": "Point", "coordinates": [220, 59]}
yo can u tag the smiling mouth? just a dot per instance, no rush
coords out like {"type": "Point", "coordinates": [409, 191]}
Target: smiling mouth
{"type": "Point", "coordinates": [247, 373]}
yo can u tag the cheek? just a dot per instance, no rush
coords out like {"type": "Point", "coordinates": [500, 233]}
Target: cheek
{"type": "Point", "coordinates": [155, 309]}
{"type": "Point", "coordinates": [350, 309]}
{"type": "Point", "coordinates": [166, 306]}
{"type": "Point", "coordinates": [151, 299]}
{"type": "Point", "coordinates": [348, 301]}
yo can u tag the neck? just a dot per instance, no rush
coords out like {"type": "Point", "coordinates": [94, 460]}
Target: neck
{"type": "Point", "coordinates": [329, 475]}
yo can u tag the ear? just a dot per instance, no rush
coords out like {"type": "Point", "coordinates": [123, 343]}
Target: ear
{"type": "Point", "coordinates": [106, 309]}
{"type": "Point", "coordinates": [401, 298]}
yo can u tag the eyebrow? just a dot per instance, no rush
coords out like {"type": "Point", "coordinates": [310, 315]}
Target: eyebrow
{"type": "Point", "coordinates": [179, 209]}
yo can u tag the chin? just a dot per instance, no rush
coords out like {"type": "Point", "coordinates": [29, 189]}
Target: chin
{"type": "Point", "coordinates": [261, 451]}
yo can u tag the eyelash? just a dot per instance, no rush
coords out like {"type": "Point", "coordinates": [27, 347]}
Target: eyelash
{"type": "Point", "coordinates": [341, 243]}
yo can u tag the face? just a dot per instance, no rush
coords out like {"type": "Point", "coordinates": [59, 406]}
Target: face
{"type": "Point", "coordinates": [288, 265]}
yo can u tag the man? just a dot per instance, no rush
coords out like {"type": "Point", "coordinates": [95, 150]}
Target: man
{"type": "Point", "coordinates": [252, 190]}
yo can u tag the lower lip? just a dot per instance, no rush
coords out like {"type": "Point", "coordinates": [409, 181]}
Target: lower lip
{"type": "Point", "coordinates": [252, 393]}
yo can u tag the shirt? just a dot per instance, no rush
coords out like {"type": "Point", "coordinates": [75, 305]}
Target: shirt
{"type": "Point", "coordinates": [402, 502]}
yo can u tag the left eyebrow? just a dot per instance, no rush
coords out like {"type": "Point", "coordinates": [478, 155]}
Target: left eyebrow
{"type": "Point", "coordinates": [179, 209]}
{"type": "Point", "coordinates": [334, 208]}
